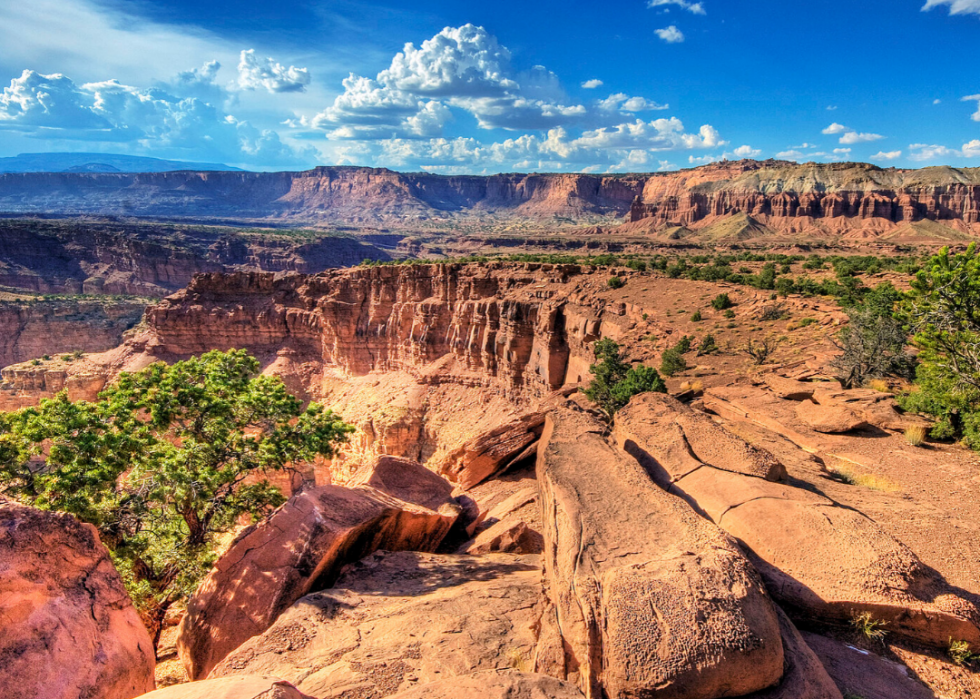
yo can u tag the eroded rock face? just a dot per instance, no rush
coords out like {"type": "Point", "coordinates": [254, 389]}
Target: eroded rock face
{"type": "Point", "coordinates": [860, 673]}
{"type": "Point", "coordinates": [495, 685]}
{"type": "Point", "coordinates": [819, 560]}
{"type": "Point", "coordinates": [397, 620]}
{"type": "Point", "coordinates": [244, 687]}
{"type": "Point", "coordinates": [488, 453]}
{"type": "Point", "coordinates": [831, 418]}
{"type": "Point", "coordinates": [68, 627]}
{"type": "Point", "coordinates": [302, 547]}
{"type": "Point", "coordinates": [649, 597]}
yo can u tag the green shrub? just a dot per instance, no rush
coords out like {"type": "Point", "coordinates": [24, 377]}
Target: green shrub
{"type": "Point", "coordinates": [696, 317]}
{"type": "Point", "coordinates": [729, 313]}
{"type": "Point", "coordinates": [684, 344]}
{"type": "Point", "coordinates": [707, 346]}
{"type": "Point", "coordinates": [672, 362]}
{"type": "Point", "coordinates": [804, 322]}
{"type": "Point", "coordinates": [615, 283]}
{"type": "Point", "coordinates": [614, 381]}
{"type": "Point", "coordinates": [721, 302]}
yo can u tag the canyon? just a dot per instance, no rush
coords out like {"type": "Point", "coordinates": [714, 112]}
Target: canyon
{"type": "Point", "coordinates": [786, 198]}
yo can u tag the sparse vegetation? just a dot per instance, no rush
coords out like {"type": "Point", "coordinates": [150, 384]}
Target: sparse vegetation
{"type": "Point", "coordinates": [915, 435]}
{"type": "Point", "coordinates": [959, 652]}
{"type": "Point", "coordinates": [879, 385]}
{"type": "Point", "coordinates": [729, 313]}
{"type": "Point", "coordinates": [805, 322]}
{"type": "Point", "coordinates": [869, 627]}
{"type": "Point", "coordinates": [772, 311]}
{"type": "Point", "coordinates": [614, 381]}
{"type": "Point", "coordinates": [707, 346]}
{"type": "Point", "coordinates": [615, 283]}
{"type": "Point", "coordinates": [672, 362]}
{"type": "Point", "coordinates": [760, 352]}
{"type": "Point", "coordinates": [721, 302]}
{"type": "Point", "coordinates": [696, 317]}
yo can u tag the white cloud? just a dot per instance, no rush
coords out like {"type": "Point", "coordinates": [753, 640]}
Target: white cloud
{"type": "Point", "coordinates": [956, 7]}
{"type": "Point", "coordinates": [803, 145]}
{"type": "Point", "coordinates": [703, 160]}
{"type": "Point", "coordinates": [974, 98]}
{"type": "Point", "coordinates": [923, 151]}
{"type": "Point", "coordinates": [832, 108]}
{"type": "Point", "coordinates": [140, 120]}
{"type": "Point", "coordinates": [666, 166]}
{"type": "Point", "coordinates": [939, 101]}
{"type": "Point", "coordinates": [592, 84]}
{"type": "Point", "coordinates": [890, 155]}
{"type": "Point", "coordinates": [842, 151]}
{"type": "Point", "coordinates": [834, 128]}
{"type": "Point", "coordinates": [971, 149]}
{"type": "Point", "coordinates": [791, 155]}
{"type": "Point", "coordinates": [254, 73]}
{"type": "Point", "coordinates": [671, 34]}
{"type": "Point", "coordinates": [852, 137]}
{"type": "Point", "coordinates": [624, 103]}
{"type": "Point", "coordinates": [747, 152]}
{"type": "Point", "coordinates": [693, 7]}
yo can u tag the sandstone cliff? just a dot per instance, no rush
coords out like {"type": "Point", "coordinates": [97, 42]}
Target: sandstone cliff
{"type": "Point", "coordinates": [777, 190]}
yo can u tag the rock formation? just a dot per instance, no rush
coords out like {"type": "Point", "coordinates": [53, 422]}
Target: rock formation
{"type": "Point", "coordinates": [238, 687]}
{"type": "Point", "coordinates": [649, 598]}
{"type": "Point", "coordinates": [68, 627]}
{"type": "Point", "coordinates": [302, 547]}
{"type": "Point", "coordinates": [395, 621]}
{"type": "Point", "coordinates": [495, 685]}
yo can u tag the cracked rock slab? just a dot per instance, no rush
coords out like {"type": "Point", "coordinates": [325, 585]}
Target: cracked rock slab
{"type": "Point", "coordinates": [399, 620]}
{"type": "Point", "coordinates": [649, 598]}
{"type": "Point", "coordinates": [302, 547]}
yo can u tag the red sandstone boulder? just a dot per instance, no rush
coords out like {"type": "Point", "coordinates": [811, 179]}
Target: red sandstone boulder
{"type": "Point", "coordinates": [789, 389]}
{"type": "Point", "coordinates": [649, 598]}
{"type": "Point", "coordinates": [302, 547]}
{"type": "Point", "coordinates": [819, 560]}
{"type": "Point", "coordinates": [804, 676]}
{"type": "Point", "coordinates": [408, 481]}
{"type": "Point", "coordinates": [829, 418]}
{"type": "Point", "coordinates": [397, 620]}
{"type": "Point", "coordinates": [506, 536]}
{"type": "Point", "coordinates": [67, 626]}
{"type": "Point", "coordinates": [494, 451]}
{"type": "Point", "coordinates": [246, 687]}
{"type": "Point", "coordinates": [505, 684]}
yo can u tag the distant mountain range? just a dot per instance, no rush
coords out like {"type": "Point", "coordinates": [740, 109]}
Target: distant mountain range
{"type": "Point", "coordinates": [101, 162]}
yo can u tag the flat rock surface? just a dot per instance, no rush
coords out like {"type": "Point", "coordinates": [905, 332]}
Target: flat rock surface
{"type": "Point", "coordinates": [67, 626]}
{"type": "Point", "coordinates": [495, 685]}
{"type": "Point", "coordinates": [397, 620]}
{"type": "Point", "coordinates": [301, 546]}
{"type": "Point", "coordinates": [649, 596]}
{"type": "Point", "coordinates": [245, 687]}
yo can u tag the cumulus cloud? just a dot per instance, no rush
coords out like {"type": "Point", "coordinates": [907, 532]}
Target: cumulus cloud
{"type": "Point", "coordinates": [924, 151]}
{"type": "Point", "coordinates": [956, 7]}
{"type": "Point", "coordinates": [971, 149]}
{"type": "Point", "coordinates": [592, 84]}
{"type": "Point", "coordinates": [842, 151]}
{"type": "Point", "coordinates": [143, 120]}
{"type": "Point", "coordinates": [622, 102]}
{"type": "Point", "coordinates": [832, 108]}
{"type": "Point", "coordinates": [693, 7]}
{"type": "Point", "coordinates": [671, 34]}
{"type": "Point", "coordinates": [834, 128]}
{"type": "Point", "coordinates": [255, 73]}
{"type": "Point", "coordinates": [791, 155]}
{"type": "Point", "coordinates": [747, 152]}
{"type": "Point", "coordinates": [889, 155]}
{"type": "Point", "coordinates": [974, 98]}
{"type": "Point", "coordinates": [852, 137]}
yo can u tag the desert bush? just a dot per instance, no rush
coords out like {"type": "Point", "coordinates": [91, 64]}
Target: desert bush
{"type": "Point", "coordinates": [707, 346]}
{"type": "Point", "coordinates": [959, 653]}
{"type": "Point", "coordinates": [915, 435]}
{"type": "Point", "coordinates": [761, 351]}
{"type": "Point", "coordinates": [614, 381]}
{"type": "Point", "coordinates": [615, 283]}
{"type": "Point", "coordinates": [721, 302]}
{"type": "Point", "coordinates": [804, 322]}
{"type": "Point", "coordinates": [164, 463]}
{"type": "Point", "coordinates": [785, 286]}
{"type": "Point", "coordinates": [696, 317]}
{"type": "Point", "coordinates": [729, 313]}
{"type": "Point", "coordinates": [772, 311]}
{"type": "Point", "coordinates": [879, 385]}
{"type": "Point", "coordinates": [672, 362]}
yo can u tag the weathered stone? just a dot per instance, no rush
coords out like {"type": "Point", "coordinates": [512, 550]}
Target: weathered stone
{"type": "Point", "coordinates": [244, 687]}
{"type": "Point", "coordinates": [506, 536]}
{"type": "Point", "coordinates": [299, 548]}
{"type": "Point", "coordinates": [488, 453]}
{"type": "Point", "coordinates": [831, 418]}
{"type": "Point", "coordinates": [649, 596]}
{"type": "Point", "coordinates": [789, 389]}
{"type": "Point", "coordinates": [505, 684]}
{"type": "Point", "coordinates": [67, 627]}
{"type": "Point", "coordinates": [410, 482]}
{"type": "Point", "coordinates": [860, 673]}
{"type": "Point", "coordinates": [819, 560]}
{"type": "Point", "coordinates": [399, 619]}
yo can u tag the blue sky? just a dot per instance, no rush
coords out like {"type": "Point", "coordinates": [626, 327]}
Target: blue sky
{"type": "Point", "coordinates": [480, 87]}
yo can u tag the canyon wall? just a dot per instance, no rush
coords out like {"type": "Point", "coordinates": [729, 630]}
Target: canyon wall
{"type": "Point", "coordinates": [29, 330]}
{"type": "Point", "coordinates": [363, 196]}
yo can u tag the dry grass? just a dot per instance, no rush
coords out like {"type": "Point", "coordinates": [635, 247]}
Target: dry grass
{"type": "Point", "coordinates": [696, 386]}
{"type": "Point", "coordinates": [517, 660]}
{"type": "Point", "coordinates": [869, 627]}
{"type": "Point", "coordinates": [879, 385]}
{"type": "Point", "coordinates": [847, 475]}
{"type": "Point", "coordinates": [915, 435]}
{"type": "Point", "coordinates": [959, 653]}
